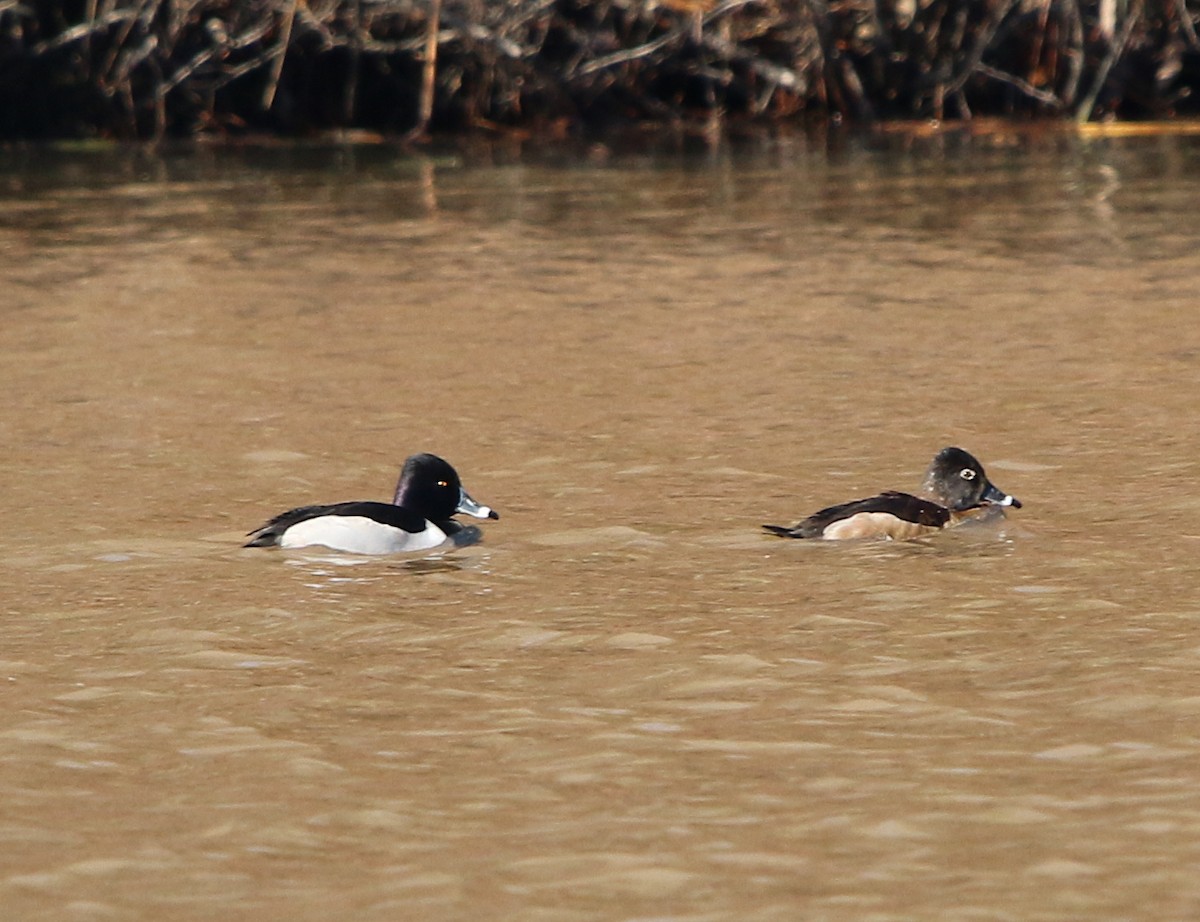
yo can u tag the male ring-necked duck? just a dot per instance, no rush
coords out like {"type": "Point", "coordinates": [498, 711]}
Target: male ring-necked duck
{"type": "Point", "coordinates": [955, 488]}
{"type": "Point", "coordinates": [428, 494]}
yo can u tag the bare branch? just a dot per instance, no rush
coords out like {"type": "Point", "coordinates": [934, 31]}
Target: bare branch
{"type": "Point", "coordinates": [1042, 96]}
{"type": "Point", "coordinates": [83, 30]}
{"type": "Point", "coordinates": [285, 38]}
{"type": "Point", "coordinates": [1116, 49]}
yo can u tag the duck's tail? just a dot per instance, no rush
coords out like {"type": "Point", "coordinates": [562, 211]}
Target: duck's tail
{"type": "Point", "coordinates": [267, 535]}
{"type": "Point", "coordinates": [783, 531]}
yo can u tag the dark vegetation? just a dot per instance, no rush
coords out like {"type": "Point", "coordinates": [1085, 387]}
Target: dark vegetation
{"type": "Point", "coordinates": [182, 68]}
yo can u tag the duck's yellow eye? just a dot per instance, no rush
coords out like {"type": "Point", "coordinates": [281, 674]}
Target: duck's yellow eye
{"type": "Point", "coordinates": [966, 474]}
{"type": "Point", "coordinates": [442, 483]}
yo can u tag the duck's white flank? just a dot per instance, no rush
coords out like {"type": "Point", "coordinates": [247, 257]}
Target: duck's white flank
{"type": "Point", "coordinates": [360, 535]}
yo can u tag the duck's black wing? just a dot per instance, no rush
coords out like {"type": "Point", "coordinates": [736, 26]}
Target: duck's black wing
{"type": "Point", "coordinates": [904, 508]}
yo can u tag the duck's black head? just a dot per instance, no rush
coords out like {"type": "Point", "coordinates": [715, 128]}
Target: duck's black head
{"type": "Point", "coordinates": [430, 486]}
{"type": "Point", "coordinates": [956, 480]}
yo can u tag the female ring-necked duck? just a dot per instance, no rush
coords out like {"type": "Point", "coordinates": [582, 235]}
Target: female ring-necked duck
{"type": "Point", "coordinates": [418, 518]}
{"type": "Point", "coordinates": [955, 487]}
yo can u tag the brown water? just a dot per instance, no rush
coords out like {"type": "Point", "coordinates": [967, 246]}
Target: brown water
{"type": "Point", "coordinates": [627, 702]}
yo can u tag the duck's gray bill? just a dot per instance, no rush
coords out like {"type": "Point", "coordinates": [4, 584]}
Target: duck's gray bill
{"type": "Point", "coordinates": [999, 497]}
{"type": "Point", "coordinates": [468, 506]}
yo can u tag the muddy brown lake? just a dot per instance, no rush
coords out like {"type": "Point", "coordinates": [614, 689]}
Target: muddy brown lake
{"type": "Point", "coordinates": [627, 701]}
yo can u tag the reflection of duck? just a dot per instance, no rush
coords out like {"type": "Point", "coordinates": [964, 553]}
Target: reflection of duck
{"type": "Point", "coordinates": [954, 486]}
{"type": "Point", "coordinates": [419, 517]}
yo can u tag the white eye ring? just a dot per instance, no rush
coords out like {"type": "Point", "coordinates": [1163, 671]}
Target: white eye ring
{"type": "Point", "coordinates": [966, 474]}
